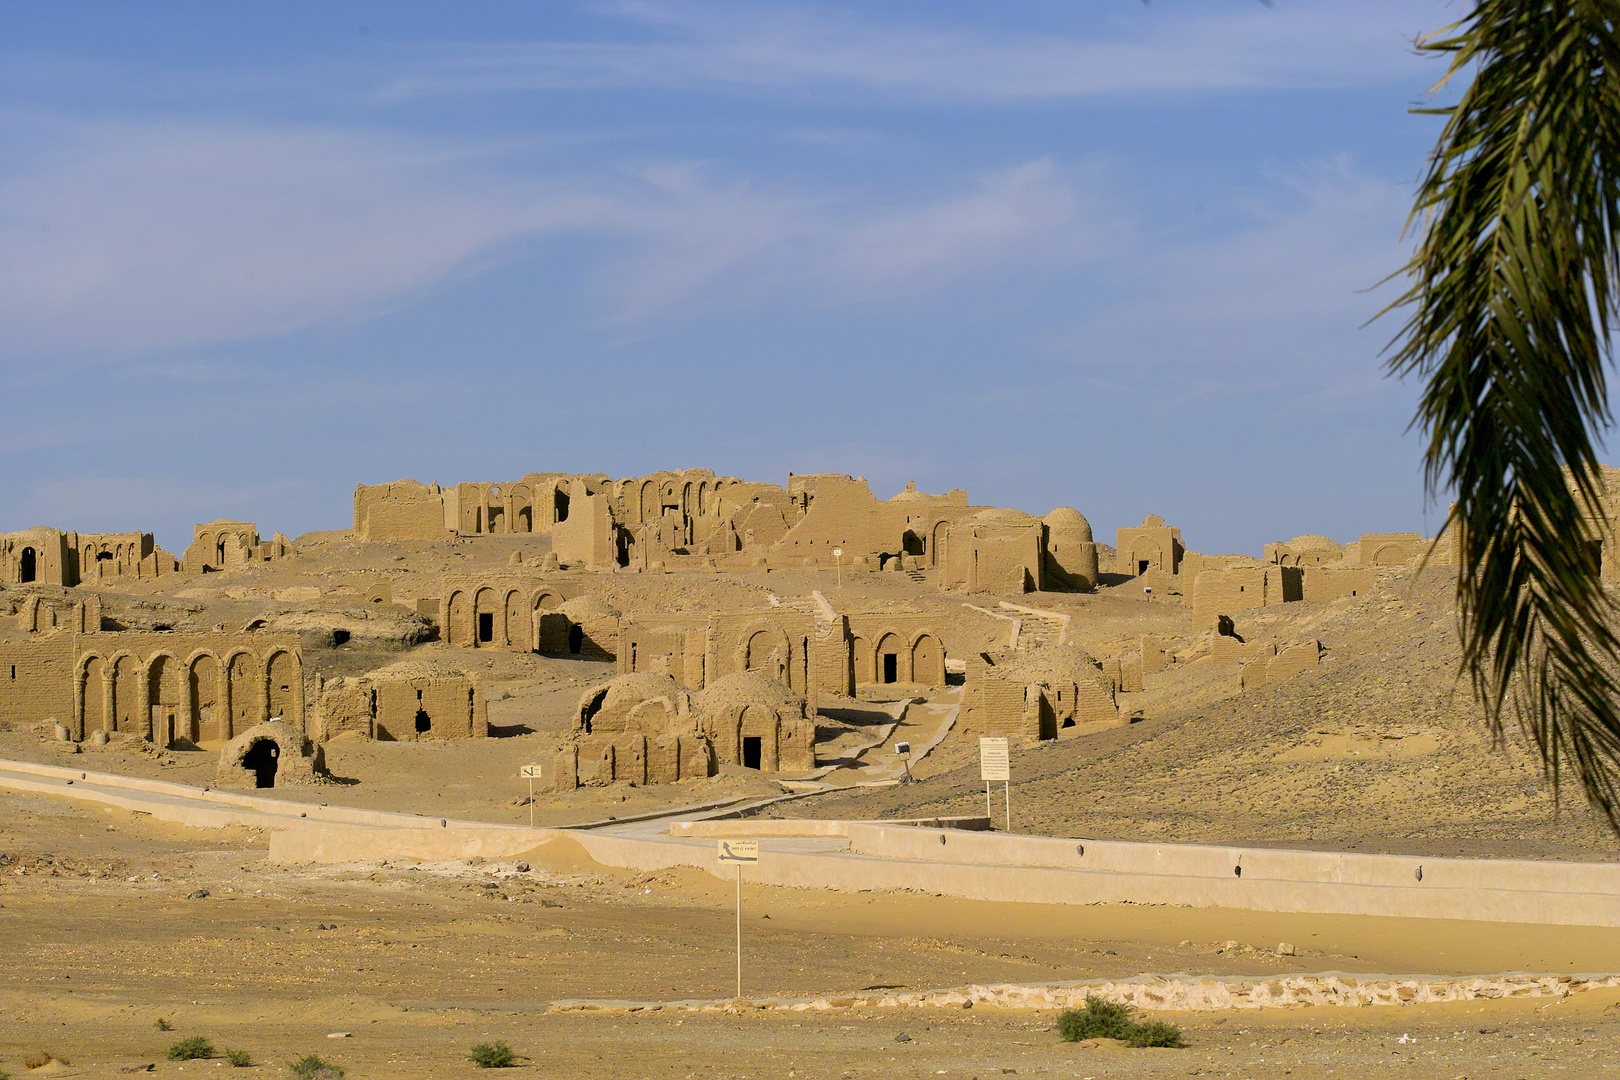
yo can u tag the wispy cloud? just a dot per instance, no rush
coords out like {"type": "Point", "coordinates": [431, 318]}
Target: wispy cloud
{"type": "Point", "coordinates": [123, 239]}
{"type": "Point", "coordinates": [1278, 299]}
{"type": "Point", "coordinates": [1109, 50]}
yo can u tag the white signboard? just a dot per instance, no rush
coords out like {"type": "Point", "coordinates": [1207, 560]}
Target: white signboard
{"type": "Point", "coordinates": [739, 851]}
{"type": "Point", "coordinates": [529, 772]}
{"type": "Point", "coordinates": [993, 761]}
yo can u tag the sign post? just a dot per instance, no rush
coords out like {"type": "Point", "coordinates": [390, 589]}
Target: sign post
{"type": "Point", "coordinates": [739, 852]}
{"type": "Point", "coordinates": [838, 557]}
{"type": "Point", "coordinates": [904, 750]}
{"type": "Point", "coordinates": [531, 773]}
{"type": "Point", "coordinates": [994, 764]}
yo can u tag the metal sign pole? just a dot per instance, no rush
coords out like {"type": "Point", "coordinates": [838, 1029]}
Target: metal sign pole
{"type": "Point", "coordinates": [1007, 790]}
{"type": "Point", "coordinates": [987, 813]}
{"type": "Point", "coordinates": [530, 772]}
{"type": "Point", "coordinates": [739, 852]}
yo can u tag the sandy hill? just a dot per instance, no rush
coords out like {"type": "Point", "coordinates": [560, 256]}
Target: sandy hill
{"type": "Point", "coordinates": [1380, 748]}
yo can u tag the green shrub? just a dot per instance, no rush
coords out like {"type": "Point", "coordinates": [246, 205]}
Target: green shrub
{"type": "Point", "coordinates": [4, 1075]}
{"type": "Point", "coordinates": [1098, 1020]}
{"type": "Point", "coordinates": [493, 1056]}
{"type": "Point", "coordinates": [1155, 1033]}
{"type": "Point", "coordinates": [191, 1049]}
{"type": "Point", "coordinates": [1108, 1020]}
{"type": "Point", "coordinates": [311, 1067]}
{"type": "Point", "coordinates": [239, 1058]}
{"type": "Point", "coordinates": [164, 1025]}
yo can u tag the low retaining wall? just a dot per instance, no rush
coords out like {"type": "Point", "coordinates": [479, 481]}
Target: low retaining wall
{"type": "Point", "coordinates": [887, 855]}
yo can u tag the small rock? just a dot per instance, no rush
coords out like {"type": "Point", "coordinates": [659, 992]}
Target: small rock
{"type": "Point", "coordinates": [522, 868]}
{"type": "Point", "coordinates": [148, 1067]}
{"type": "Point", "coordinates": [341, 1035]}
{"type": "Point", "coordinates": [967, 1004]}
{"type": "Point", "coordinates": [902, 1037]}
{"type": "Point", "coordinates": [200, 894]}
{"type": "Point", "coordinates": [1285, 949]}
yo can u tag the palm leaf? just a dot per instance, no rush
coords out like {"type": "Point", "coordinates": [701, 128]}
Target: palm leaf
{"type": "Point", "coordinates": [1508, 317]}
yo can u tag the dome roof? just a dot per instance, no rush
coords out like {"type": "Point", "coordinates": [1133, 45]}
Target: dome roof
{"type": "Point", "coordinates": [628, 691]}
{"type": "Point", "coordinates": [1068, 519]}
{"type": "Point", "coordinates": [588, 607]}
{"type": "Point", "coordinates": [1312, 540]}
{"type": "Point", "coordinates": [1002, 515]}
{"type": "Point", "coordinates": [744, 688]}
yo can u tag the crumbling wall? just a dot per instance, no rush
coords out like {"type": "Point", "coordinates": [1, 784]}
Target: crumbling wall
{"type": "Point", "coordinates": [1242, 588]}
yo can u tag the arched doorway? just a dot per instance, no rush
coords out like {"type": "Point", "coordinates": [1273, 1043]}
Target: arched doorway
{"type": "Point", "coordinates": [457, 631]}
{"type": "Point", "coordinates": [126, 695]}
{"type": "Point", "coordinates": [487, 612]}
{"type": "Point", "coordinates": [862, 656]}
{"type": "Point", "coordinates": [95, 696]}
{"type": "Point", "coordinates": [936, 550]}
{"type": "Point", "coordinates": [261, 759]}
{"type": "Point", "coordinates": [286, 688]}
{"type": "Point", "coordinates": [889, 666]}
{"type": "Point", "coordinates": [518, 631]}
{"type": "Point", "coordinates": [244, 689]}
{"type": "Point", "coordinates": [205, 713]}
{"type": "Point", "coordinates": [928, 661]}
{"type": "Point", "coordinates": [163, 683]}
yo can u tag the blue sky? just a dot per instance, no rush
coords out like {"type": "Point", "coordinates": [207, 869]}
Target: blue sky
{"type": "Point", "coordinates": [1102, 254]}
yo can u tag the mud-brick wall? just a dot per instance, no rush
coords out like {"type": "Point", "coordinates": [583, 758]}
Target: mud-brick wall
{"type": "Point", "coordinates": [36, 681]}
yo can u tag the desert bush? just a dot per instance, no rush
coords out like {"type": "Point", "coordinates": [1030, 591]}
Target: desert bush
{"type": "Point", "coordinates": [311, 1067]}
{"type": "Point", "coordinates": [1155, 1033]}
{"type": "Point", "coordinates": [239, 1058]}
{"type": "Point", "coordinates": [493, 1056]}
{"type": "Point", "coordinates": [1098, 1020]}
{"type": "Point", "coordinates": [191, 1049]}
{"type": "Point", "coordinates": [164, 1025]}
{"type": "Point", "coordinates": [1110, 1020]}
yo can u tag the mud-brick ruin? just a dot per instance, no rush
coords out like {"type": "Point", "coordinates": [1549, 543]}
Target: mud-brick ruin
{"type": "Point", "coordinates": [676, 626]}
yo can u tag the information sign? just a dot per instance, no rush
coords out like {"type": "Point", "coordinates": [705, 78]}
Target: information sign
{"type": "Point", "coordinates": [994, 764]}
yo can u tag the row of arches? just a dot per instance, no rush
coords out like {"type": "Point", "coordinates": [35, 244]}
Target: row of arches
{"type": "Point", "coordinates": [494, 617]}
{"type": "Point", "coordinates": [893, 658]}
{"type": "Point", "coordinates": [513, 508]}
{"type": "Point", "coordinates": [202, 698]}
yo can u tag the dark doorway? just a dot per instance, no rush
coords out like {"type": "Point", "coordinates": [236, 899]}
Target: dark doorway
{"type": "Point", "coordinates": [261, 759]}
{"type": "Point", "coordinates": [25, 568]}
{"type": "Point", "coordinates": [891, 667]}
{"type": "Point", "coordinates": [424, 722]}
{"type": "Point", "coordinates": [576, 638]}
{"type": "Point", "coordinates": [1142, 567]}
{"type": "Point", "coordinates": [560, 504]}
{"type": "Point", "coordinates": [751, 751]}
{"type": "Point", "coordinates": [486, 626]}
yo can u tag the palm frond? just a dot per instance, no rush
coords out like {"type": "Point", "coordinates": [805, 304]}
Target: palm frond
{"type": "Point", "coordinates": [1508, 319]}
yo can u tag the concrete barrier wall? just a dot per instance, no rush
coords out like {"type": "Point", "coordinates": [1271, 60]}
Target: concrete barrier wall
{"type": "Point", "coordinates": [952, 862]}
{"type": "Point", "coordinates": [1220, 863]}
{"type": "Point", "coordinates": [1051, 885]}
{"type": "Point", "coordinates": [764, 827]}
{"type": "Point", "coordinates": [337, 842]}
{"type": "Point", "coordinates": [225, 797]}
